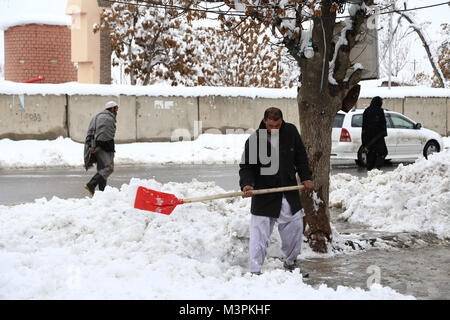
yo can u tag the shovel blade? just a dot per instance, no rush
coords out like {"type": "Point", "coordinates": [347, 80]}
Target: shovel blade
{"type": "Point", "coordinates": [155, 201]}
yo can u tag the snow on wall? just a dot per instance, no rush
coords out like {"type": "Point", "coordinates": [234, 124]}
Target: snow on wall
{"type": "Point", "coordinates": [368, 89]}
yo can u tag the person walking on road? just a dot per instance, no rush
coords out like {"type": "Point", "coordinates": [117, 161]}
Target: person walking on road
{"type": "Point", "coordinates": [287, 157]}
{"type": "Point", "coordinates": [373, 133]}
{"type": "Point", "coordinates": [99, 146]}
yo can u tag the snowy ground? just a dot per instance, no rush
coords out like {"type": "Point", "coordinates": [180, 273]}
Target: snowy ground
{"type": "Point", "coordinates": [411, 198]}
{"type": "Point", "coordinates": [206, 149]}
{"type": "Point", "coordinates": [103, 248]}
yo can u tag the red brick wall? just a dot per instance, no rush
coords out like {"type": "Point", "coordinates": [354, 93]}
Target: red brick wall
{"type": "Point", "coordinates": [38, 50]}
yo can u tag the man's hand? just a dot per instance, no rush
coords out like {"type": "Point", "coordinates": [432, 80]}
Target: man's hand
{"type": "Point", "coordinates": [94, 150]}
{"type": "Point", "coordinates": [247, 191]}
{"type": "Point", "coordinates": [365, 149]}
{"type": "Point", "coordinates": [309, 185]}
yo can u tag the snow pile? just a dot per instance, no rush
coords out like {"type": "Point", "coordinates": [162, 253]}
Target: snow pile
{"type": "Point", "coordinates": [103, 248]}
{"type": "Point", "coordinates": [415, 197]}
{"type": "Point", "coordinates": [61, 152]}
{"type": "Point", "coordinates": [206, 149]}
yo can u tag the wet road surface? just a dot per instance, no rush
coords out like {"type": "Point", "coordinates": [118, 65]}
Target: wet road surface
{"type": "Point", "coordinates": [421, 272]}
{"type": "Point", "coordinates": [416, 264]}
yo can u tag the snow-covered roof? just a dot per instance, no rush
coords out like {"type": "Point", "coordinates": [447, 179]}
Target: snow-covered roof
{"type": "Point", "coordinates": [368, 89]}
{"type": "Point", "coordinates": [35, 19]}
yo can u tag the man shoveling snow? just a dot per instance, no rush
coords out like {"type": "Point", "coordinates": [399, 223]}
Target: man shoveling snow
{"type": "Point", "coordinates": [288, 157]}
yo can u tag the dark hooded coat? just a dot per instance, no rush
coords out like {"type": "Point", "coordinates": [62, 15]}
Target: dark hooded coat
{"type": "Point", "coordinates": [292, 159]}
{"type": "Point", "coordinates": [374, 128]}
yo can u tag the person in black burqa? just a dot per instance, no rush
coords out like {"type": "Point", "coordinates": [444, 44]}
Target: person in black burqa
{"type": "Point", "coordinates": [373, 133]}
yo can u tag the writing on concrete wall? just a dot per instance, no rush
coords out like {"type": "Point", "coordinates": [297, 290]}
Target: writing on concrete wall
{"type": "Point", "coordinates": [32, 116]}
{"type": "Point", "coordinates": [160, 104]}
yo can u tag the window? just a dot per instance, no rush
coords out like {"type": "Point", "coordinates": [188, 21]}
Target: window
{"type": "Point", "coordinates": [388, 120]}
{"type": "Point", "coordinates": [400, 122]}
{"type": "Point", "coordinates": [357, 120]}
{"type": "Point", "coordinates": [338, 120]}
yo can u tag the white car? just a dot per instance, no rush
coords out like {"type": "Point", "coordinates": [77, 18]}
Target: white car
{"type": "Point", "coordinates": [406, 139]}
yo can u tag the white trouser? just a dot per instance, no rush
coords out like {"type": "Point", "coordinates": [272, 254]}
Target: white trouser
{"type": "Point", "coordinates": [290, 227]}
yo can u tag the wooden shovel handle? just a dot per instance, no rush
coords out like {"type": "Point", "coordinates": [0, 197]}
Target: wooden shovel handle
{"type": "Point", "coordinates": [238, 194]}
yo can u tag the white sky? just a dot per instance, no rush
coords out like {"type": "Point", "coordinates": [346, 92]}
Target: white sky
{"type": "Point", "coordinates": [436, 15]}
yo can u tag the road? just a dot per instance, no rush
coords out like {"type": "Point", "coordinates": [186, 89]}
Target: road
{"type": "Point", "coordinates": [25, 185]}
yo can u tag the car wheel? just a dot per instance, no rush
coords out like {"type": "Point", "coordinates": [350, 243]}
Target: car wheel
{"type": "Point", "coordinates": [430, 148]}
{"type": "Point", "coordinates": [362, 158]}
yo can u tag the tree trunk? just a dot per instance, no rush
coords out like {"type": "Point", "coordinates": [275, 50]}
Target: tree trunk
{"type": "Point", "coordinates": [317, 110]}
{"type": "Point", "coordinates": [318, 102]}
{"type": "Point", "coordinates": [318, 146]}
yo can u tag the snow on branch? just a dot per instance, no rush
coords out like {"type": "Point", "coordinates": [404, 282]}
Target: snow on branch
{"type": "Point", "coordinates": [343, 41]}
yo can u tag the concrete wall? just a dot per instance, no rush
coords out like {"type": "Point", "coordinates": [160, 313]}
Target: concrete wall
{"type": "Point", "coordinates": [32, 117]}
{"type": "Point", "coordinates": [158, 117]}
{"type": "Point", "coordinates": [432, 113]}
{"type": "Point", "coordinates": [148, 118]}
{"type": "Point", "coordinates": [225, 113]}
{"type": "Point", "coordinates": [393, 104]}
{"type": "Point", "coordinates": [82, 108]}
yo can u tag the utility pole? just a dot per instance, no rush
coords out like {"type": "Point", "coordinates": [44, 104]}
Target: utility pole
{"type": "Point", "coordinates": [390, 45]}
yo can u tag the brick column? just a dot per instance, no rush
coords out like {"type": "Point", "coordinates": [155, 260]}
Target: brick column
{"type": "Point", "coordinates": [105, 50]}
{"type": "Point", "coordinates": [39, 50]}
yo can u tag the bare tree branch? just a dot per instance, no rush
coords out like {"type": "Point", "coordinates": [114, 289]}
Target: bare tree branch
{"type": "Point", "coordinates": [436, 69]}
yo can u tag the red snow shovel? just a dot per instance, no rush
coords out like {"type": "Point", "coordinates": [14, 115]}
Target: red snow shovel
{"type": "Point", "coordinates": [165, 203]}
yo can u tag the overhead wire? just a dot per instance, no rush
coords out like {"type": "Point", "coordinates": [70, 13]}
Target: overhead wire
{"type": "Point", "coordinates": [240, 13]}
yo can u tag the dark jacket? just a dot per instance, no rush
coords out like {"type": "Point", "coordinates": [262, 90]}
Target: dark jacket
{"type": "Point", "coordinates": [374, 129]}
{"type": "Point", "coordinates": [292, 160]}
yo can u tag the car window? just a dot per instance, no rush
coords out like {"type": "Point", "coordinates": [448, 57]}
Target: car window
{"type": "Point", "coordinates": [388, 120]}
{"type": "Point", "coordinates": [357, 120]}
{"type": "Point", "coordinates": [400, 122]}
{"type": "Point", "coordinates": [338, 120]}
